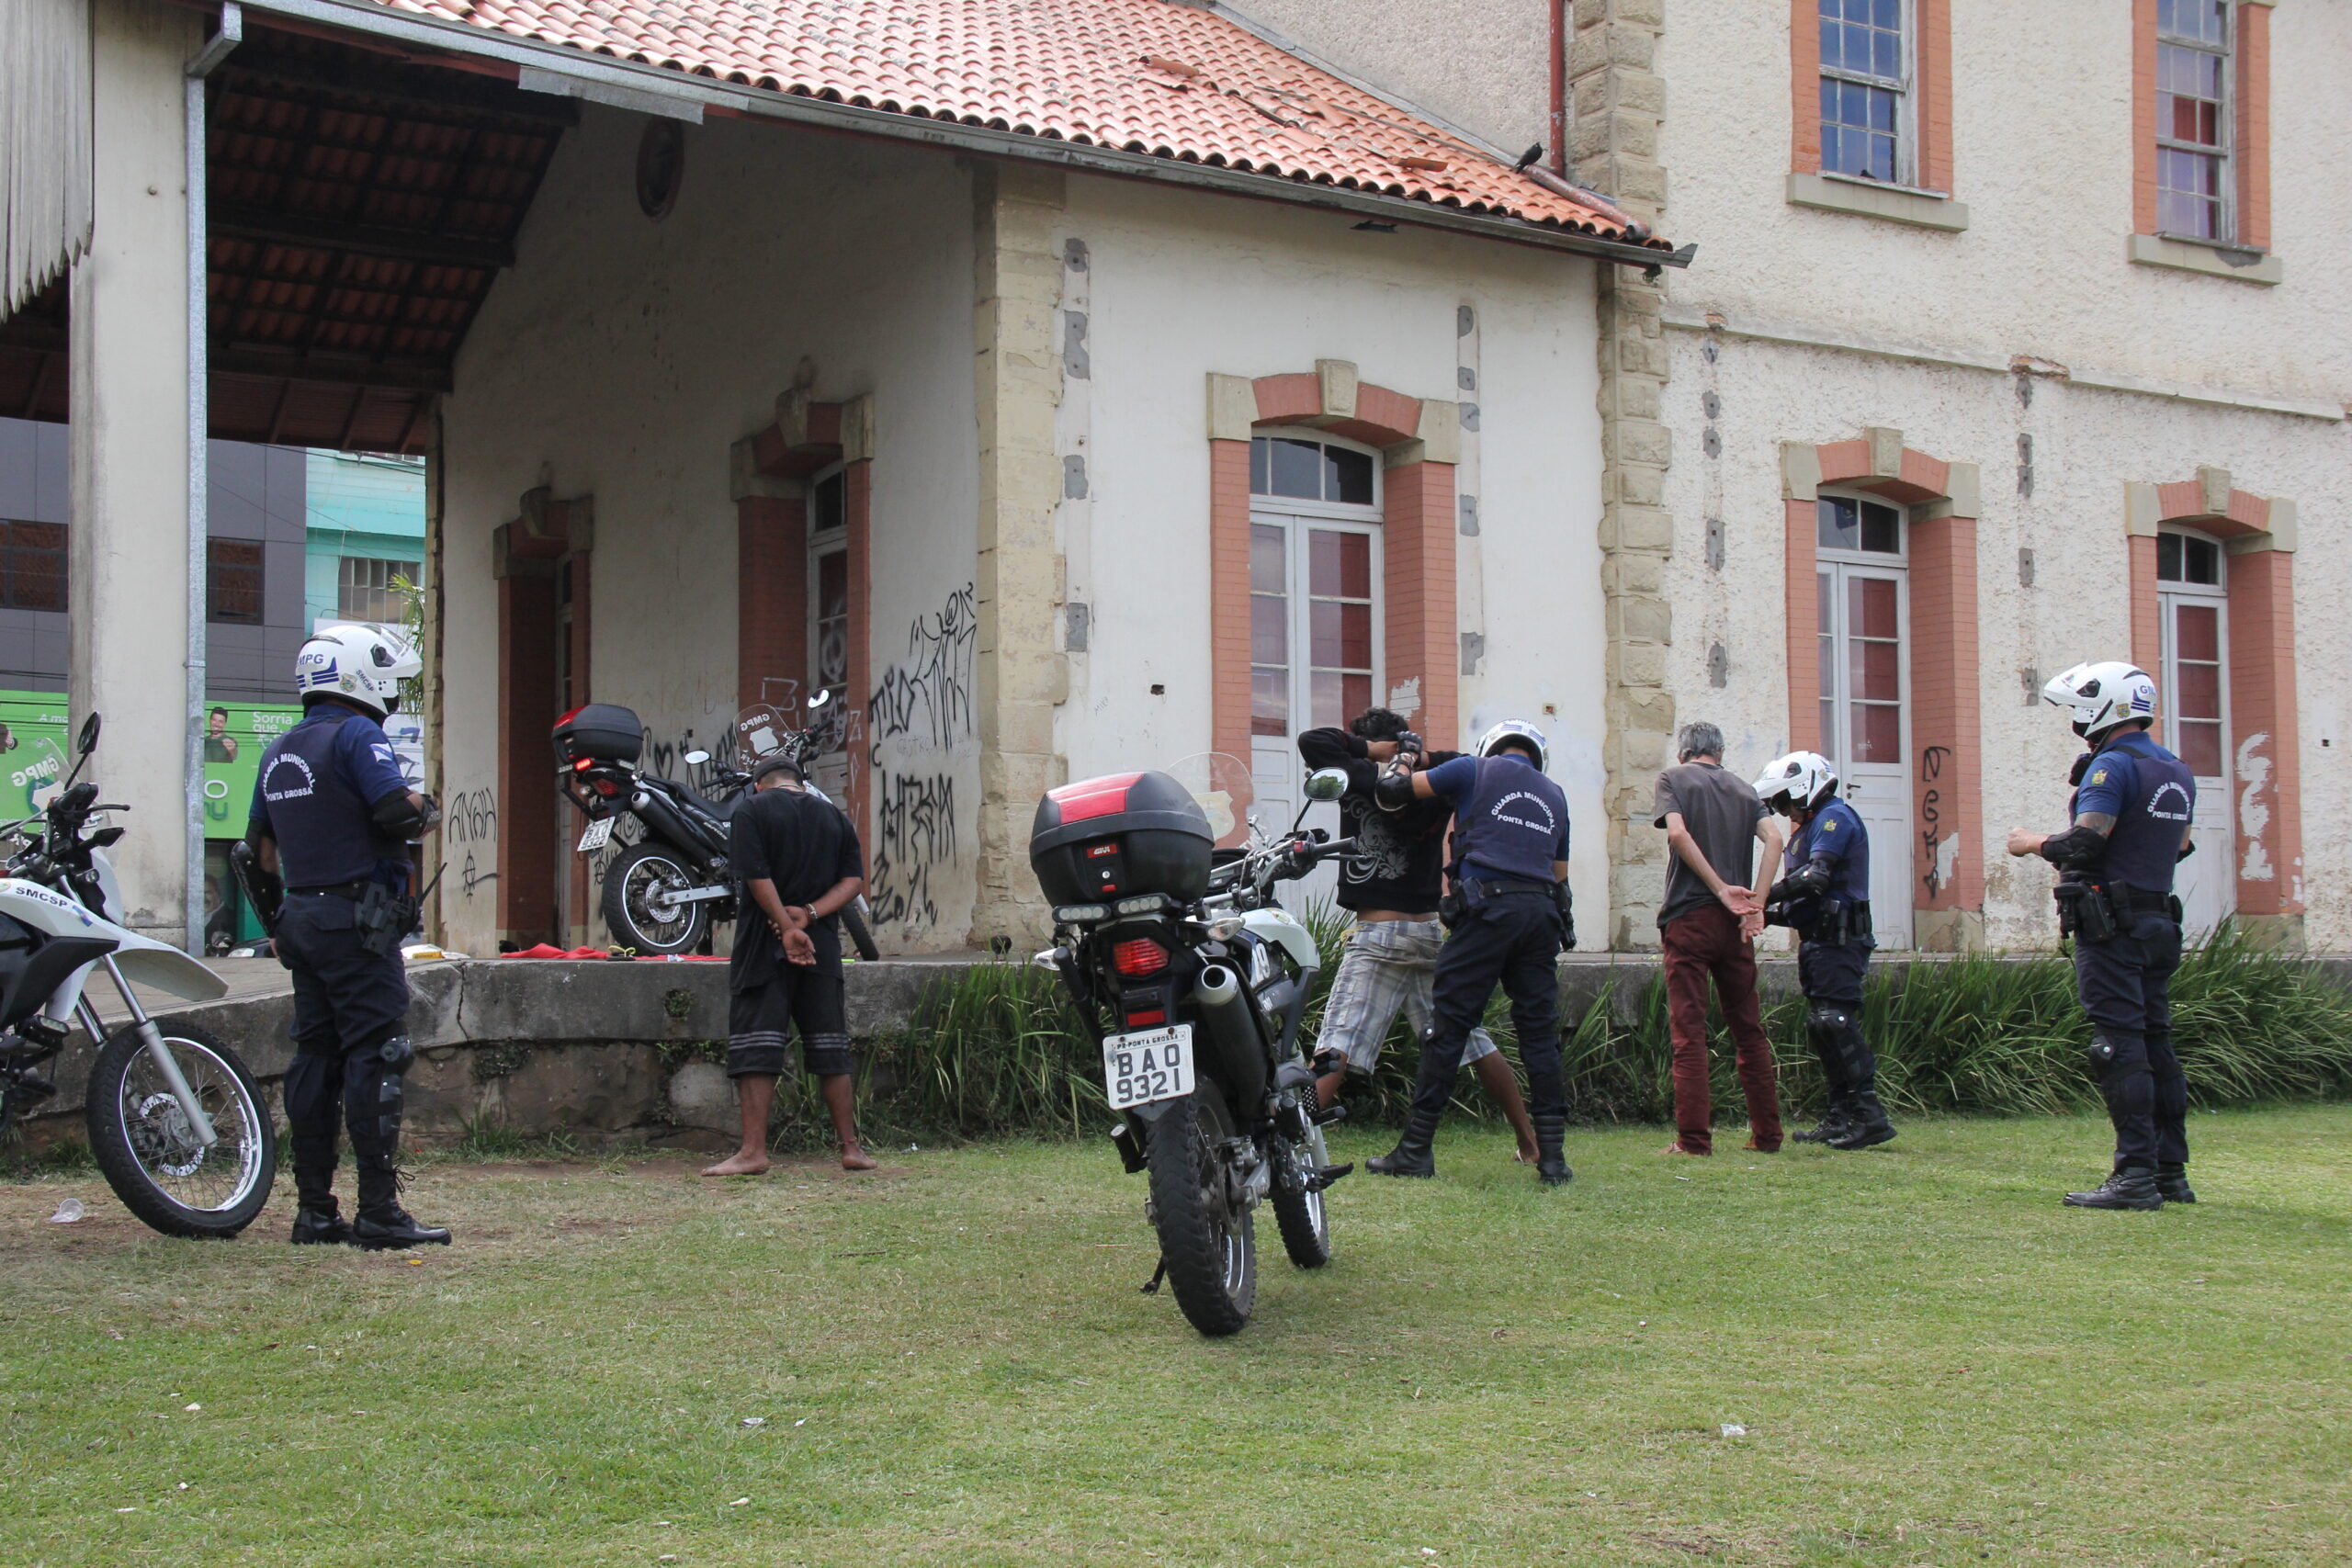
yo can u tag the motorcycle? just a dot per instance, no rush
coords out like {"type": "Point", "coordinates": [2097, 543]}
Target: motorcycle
{"type": "Point", "coordinates": [1202, 979]}
{"type": "Point", "coordinates": [664, 892]}
{"type": "Point", "coordinates": [176, 1121]}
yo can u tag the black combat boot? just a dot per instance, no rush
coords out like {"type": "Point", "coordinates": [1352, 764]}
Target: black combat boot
{"type": "Point", "coordinates": [2172, 1182]}
{"type": "Point", "coordinates": [1867, 1126]}
{"type": "Point", "coordinates": [2126, 1186]}
{"type": "Point", "coordinates": [382, 1223]}
{"type": "Point", "coordinates": [1551, 1165]}
{"type": "Point", "coordinates": [318, 1219]}
{"type": "Point", "coordinates": [1836, 1122]}
{"type": "Point", "coordinates": [1411, 1156]}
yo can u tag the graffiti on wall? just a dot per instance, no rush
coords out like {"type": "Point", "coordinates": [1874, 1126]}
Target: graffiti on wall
{"type": "Point", "coordinates": [1941, 851]}
{"type": "Point", "coordinates": [921, 707]}
{"type": "Point", "coordinates": [469, 829]}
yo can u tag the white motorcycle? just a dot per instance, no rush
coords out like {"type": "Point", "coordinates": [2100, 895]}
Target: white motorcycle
{"type": "Point", "coordinates": [177, 1123]}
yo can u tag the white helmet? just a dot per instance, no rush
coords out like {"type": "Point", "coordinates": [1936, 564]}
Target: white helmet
{"type": "Point", "coordinates": [357, 663]}
{"type": "Point", "coordinates": [2102, 695]}
{"type": "Point", "coordinates": [1803, 778]}
{"type": "Point", "coordinates": [1514, 729]}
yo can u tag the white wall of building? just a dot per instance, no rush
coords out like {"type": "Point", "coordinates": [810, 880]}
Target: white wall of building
{"type": "Point", "coordinates": [2042, 159]}
{"type": "Point", "coordinates": [621, 359]}
{"type": "Point", "coordinates": [1478, 64]}
{"type": "Point", "coordinates": [1185, 286]}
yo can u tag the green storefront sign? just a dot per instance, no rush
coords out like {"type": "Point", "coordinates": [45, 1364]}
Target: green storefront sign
{"type": "Point", "coordinates": [35, 755]}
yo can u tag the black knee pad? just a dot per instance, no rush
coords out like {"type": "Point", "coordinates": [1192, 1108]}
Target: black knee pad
{"type": "Point", "coordinates": [371, 1104]}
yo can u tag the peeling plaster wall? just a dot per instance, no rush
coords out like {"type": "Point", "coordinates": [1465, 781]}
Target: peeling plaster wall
{"type": "Point", "coordinates": [2042, 158]}
{"type": "Point", "coordinates": [624, 356]}
{"type": "Point", "coordinates": [2043, 161]}
{"type": "Point", "coordinates": [1184, 286]}
{"type": "Point", "coordinates": [2086, 443]}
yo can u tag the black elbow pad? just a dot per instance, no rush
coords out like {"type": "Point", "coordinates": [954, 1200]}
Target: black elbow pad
{"type": "Point", "coordinates": [397, 815]}
{"type": "Point", "coordinates": [1394, 788]}
{"type": "Point", "coordinates": [2076, 849]}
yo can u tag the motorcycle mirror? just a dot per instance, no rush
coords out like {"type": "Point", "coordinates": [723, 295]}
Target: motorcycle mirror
{"type": "Point", "coordinates": [1327, 784]}
{"type": "Point", "coordinates": [88, 743]}
{"type": "Point", "coordinates": [696, 759]}
{"type": "Point", "coordinates": [819, 700]}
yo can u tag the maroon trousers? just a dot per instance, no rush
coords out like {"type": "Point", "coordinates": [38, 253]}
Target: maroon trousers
{"type": "Point", "coordinates": [1702, 945]}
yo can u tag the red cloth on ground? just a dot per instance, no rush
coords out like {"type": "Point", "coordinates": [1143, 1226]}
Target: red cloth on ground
{"type": "Point", "coordinates": [1705, 942]}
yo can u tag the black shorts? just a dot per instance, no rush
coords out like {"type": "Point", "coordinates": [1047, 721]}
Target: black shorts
{"type": "Point", "coordinates": [807, 999]}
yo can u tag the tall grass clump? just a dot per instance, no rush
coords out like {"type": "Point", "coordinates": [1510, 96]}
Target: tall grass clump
{"type": "Point", "coordinates": [998, 1048]}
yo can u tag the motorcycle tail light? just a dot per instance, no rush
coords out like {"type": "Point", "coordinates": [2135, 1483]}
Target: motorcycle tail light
{"type": "Point", "coordinates": [582, 765]}
{"type": "Point", "coordinates": [1147, 1019]}
{"type": "Point", "coordinates": [605, 787]}
{"type": "Point", "coordinates": [1139, 955]}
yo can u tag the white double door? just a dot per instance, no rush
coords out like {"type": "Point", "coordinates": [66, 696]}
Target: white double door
{"type": "Point", "coordinates": [1865, 632]}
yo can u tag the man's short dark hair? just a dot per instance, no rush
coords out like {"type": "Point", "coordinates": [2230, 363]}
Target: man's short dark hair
{"type": "Point", "coordinates": [1378, 724]}
{"type": "Point", "coordinates": [778, 763]}
{"type": "Point", "coordinates": [219, 713]}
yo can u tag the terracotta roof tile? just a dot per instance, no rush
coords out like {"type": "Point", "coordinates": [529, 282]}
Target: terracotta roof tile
{"type": "Point", "coordinates": [1149, 76]}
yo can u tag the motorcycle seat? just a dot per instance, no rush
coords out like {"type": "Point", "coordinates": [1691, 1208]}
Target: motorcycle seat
{"type": "Point", "coordinates": [716, 810]}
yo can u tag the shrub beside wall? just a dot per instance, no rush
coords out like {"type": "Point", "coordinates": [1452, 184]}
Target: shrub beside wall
{"type": "Point", "coordinates": [999, 1049]}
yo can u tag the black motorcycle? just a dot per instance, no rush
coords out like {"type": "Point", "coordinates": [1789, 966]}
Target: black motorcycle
{"type": "Point", "coordinates": [667, 889]}
{"type": "Point", "coordinates": [1192, 981]}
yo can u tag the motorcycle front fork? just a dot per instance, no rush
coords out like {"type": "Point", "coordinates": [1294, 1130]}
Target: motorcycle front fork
{"type": "Point", "coordinates": [152, 1038]}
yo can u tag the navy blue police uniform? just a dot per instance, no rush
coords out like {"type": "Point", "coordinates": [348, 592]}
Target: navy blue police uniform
{"type": "Point", "coordinates": [338, 934]}
{"type": "Point", "coordinates": [1831, 917]}
{"type": "Point", "coordinates": [1510, 825]}
{"type": "Point", "coordinates": [2124, 978]}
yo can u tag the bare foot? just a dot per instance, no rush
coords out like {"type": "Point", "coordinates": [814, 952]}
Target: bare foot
{"type": "Point", "coordinates": [737, 1164]}
{"type": "Point", "coordinates": [855, 1159]}
{"type": "Point", "coordinates": [1528, 1155]}
{"type": "Point", "coordinates": [1676, 1148]}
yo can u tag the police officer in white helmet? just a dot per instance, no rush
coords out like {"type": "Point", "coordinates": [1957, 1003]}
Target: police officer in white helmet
{"type": "Point", "coordinates": [1509, 918]}
{"type": "Point", "coordinates": [326, 851]}
{"type": "Point", "coordinates": [2134, 805]}
{"type": "Point", "coordinates": [1824, 895]}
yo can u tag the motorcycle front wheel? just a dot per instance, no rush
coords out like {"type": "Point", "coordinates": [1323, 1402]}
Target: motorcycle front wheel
{"type": "Point", "coordinates": [855, 921]}
{"type": "Point", "coordinates": [1210, 1251]}
{"type": "Point", "coordinates": [150, 1153]}
{"type": "Point", "coordinates": [657, 930]}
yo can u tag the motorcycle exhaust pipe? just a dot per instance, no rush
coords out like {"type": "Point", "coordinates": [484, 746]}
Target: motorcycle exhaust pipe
{"type": "Point", "coordinates": [1236, 1057]}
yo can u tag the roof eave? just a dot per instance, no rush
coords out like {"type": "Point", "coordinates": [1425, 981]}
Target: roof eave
{"type": "Point", "coordinates": [658, 90]}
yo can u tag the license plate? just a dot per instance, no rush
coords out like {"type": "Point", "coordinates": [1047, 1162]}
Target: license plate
{"type": "Point", "coordinates": [599, 834]}
{"type": "Point", "coordinates": [1152, 1065]}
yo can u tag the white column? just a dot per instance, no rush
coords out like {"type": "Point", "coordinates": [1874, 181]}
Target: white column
{"type": "Point", "coordinates": [128, 557]}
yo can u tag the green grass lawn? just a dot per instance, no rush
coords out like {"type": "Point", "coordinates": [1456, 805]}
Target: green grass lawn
{"type": "Point", "coordinates": [1934, 1362]}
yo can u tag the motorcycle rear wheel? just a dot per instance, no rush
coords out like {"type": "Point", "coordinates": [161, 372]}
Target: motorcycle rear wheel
{"type": "Point", "coordinates": [147, 1152]}
{"type": "Point", "coordinates": [656, 931]}
{"type": "Point", "coordinates": [1211, 1253]}
{"type": "Point", "coordinates": [1299, 1214]}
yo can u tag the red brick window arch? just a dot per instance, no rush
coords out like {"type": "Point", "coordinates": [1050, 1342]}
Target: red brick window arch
{"type": "Point", "coordinates": [2252, 579]}
{"type": "Point", "coordinates": [1837, 593]}
{"type": "Point", "coordinates": [1398, 585]}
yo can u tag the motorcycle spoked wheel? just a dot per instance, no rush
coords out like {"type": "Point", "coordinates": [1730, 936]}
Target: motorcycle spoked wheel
{"type": "Point", "coordinates": [656, 931]}
{"type": "Point", "coordinates": [1210, 1251]}
{"type": "Point", "coordinates": [860, 930]}
{"type": "Point", "coordinates": [1299, 1214]}
{"type": "Point", "coordinates": [148, 1153]}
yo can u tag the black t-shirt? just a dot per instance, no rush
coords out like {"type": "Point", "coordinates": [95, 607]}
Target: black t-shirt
{"type": "Point", "coordinates": [1400, 856]}
{"type": "Point", "coordinates": [802, 845]}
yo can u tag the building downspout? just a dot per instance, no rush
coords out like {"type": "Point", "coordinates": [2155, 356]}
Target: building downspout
{"type": "Point", "coordinates": [199, 466]}
{"type": "Point", "coordinates": [1557, 121]}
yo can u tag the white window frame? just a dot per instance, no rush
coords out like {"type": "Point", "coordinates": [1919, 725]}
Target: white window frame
{"type": "Point", "coordinates": [2170, 595]}
{"type": "Point", "coordinates": [1907, 111]}
{"type": "Point", "coordinates": [1299, 518]}
{"type": "Point", "coordinates": [1891, 863]}
{"type": "Point", "coordinates": [2226, 152]}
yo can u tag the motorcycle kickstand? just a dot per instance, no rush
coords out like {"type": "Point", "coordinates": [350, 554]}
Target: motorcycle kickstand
{"type": "Point", "coordinates": [1152, 1286]}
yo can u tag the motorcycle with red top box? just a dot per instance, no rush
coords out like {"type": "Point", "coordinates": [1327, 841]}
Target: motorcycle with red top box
{"type": "Point", "coordinates": [1192, 981]}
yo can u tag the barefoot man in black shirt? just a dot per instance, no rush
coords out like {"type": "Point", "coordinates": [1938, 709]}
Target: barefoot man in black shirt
{"type": "Point", "coordinates": [1392, 885]}
{"type": "Point", "coordinates": [800, 862]}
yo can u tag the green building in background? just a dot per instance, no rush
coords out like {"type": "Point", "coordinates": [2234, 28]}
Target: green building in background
{"type": "Point", "coordinates": [300, 539]}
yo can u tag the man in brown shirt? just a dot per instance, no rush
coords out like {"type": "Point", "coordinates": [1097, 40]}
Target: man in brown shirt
{"type": "Point", "coordinates": [1708, 924]}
